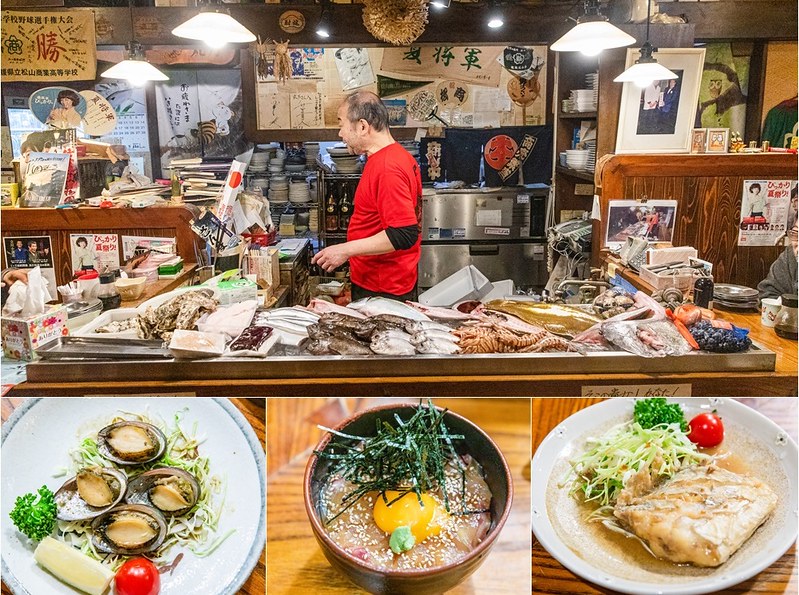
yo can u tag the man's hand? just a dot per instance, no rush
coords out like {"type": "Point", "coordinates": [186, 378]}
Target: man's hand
{"type": "Point", "coordinates": [15, 275]}
{"type": "Point", "coordinates": [332, 257]}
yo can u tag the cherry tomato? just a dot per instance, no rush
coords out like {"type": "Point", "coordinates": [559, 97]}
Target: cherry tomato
{"type": "Point", "coordinates": [138, 576]}
{"type": "Point", "coordinates": [706, 430]}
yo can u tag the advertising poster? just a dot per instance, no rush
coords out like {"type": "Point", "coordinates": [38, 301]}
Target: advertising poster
{"type": "Point", "coordinates": [94, 251]}
{"type": "Point", "coordinates": [45, 178]}
{"type": "Point", "coordinates": [132, 245]}
{"type": "Point", "coordinates": [28, 252]}
{"type": "Point", "coordinates": [764, 212]}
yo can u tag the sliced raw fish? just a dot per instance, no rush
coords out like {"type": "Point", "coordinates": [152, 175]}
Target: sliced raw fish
{"type": "Point", "coordinates": [701, 515]}
{"type": "Point", "coordinates": [374, 306]}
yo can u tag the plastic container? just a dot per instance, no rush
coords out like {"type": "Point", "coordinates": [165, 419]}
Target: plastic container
{"type": "Point", "coordinates": [131, 288]}
{"type": "Point", "coordinates": [88, 284]}
{"type": "Point", "coordinates": [786, 325]}
{"type": "Point", "coordinates": [466, 284]}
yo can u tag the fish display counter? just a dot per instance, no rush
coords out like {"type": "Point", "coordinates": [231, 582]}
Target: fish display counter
{"type": "Point", "coordinates": [381, 347]}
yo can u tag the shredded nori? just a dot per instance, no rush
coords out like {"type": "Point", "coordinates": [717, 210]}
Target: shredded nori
{"type": "Point", "coordinates": [408, 457]}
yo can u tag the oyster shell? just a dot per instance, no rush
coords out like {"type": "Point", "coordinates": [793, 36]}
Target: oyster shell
{"type": "Point", "coordinates": [93, 491]}
{"type": "Point", "coordinates": [129, 529]}
{"type": "Point", "coordinates": [131, 442]}
{"type": "Point", "coordinates": [172, 491]}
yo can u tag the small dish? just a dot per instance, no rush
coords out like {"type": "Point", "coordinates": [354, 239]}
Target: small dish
{"type": "Point", "coordinates": [131, 288]}
{"type": "Point", "coordinates": [424, 580]}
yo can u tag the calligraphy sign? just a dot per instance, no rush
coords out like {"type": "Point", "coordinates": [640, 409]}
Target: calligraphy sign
{"type": "Point", "coordinates": [42, 46]}
{"type": "Point", "coordinates": [476, 65]}
{"type": "Point", "coordinates": [518, 158]}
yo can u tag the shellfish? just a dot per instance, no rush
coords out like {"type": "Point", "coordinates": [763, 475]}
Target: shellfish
{"type": "Point", "coordinates": [129, 529]}
{"type": "Point", "coordinates": [172, 491]}
{"type": "Point", "coordinates": [93, 491]}
{"type": "Point", "coordinates": [131, 442]}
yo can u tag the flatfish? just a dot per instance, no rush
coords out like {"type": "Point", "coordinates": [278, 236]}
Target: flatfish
{"type": "Point", "coordinates": [561, 319]}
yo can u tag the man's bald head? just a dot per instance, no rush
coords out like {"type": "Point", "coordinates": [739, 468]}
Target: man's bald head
{"type": "Point", "coordinates": [365, 105]}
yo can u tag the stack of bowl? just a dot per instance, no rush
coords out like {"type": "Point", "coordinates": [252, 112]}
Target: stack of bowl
{"type": "Point", "coordinates": [343, 161]}
{"type": "Point", "coordinates": [258, 163]}
{"type": "Point", "coordinates": [276, 163]}
{"type": "Point", "coordinates": [311, 151]}
{"type": "Point", "coordinates": [278, 190]}
{"type": "Point", "coordinates": [298, 191]}
{"type": "Point", "coordinates": [576, 158]}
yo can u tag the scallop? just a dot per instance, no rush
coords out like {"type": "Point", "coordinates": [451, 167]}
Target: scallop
{"type": "Point", "coordinates": [172, 491]}
{"type": "Point", "coordinates": [90, 493]}
{"type": "Point", "coordinates": [131, 442]}
{"type": "Point", "coordinates": [129, 529]}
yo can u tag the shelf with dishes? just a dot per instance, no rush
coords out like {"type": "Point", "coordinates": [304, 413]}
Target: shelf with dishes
{"type": "Point", "coordinates": [580, 174]}
{"type": "Point", "coordinates": [577, 115]}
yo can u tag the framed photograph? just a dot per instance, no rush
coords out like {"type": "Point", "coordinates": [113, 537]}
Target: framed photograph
{"type": "Point", "coordinates": [652, 220]}
{"type": "Point", "coordinates": [660, 118]}
{"type": "Point", "coordinates": [718, 140]}
{"type": "Point", "coordinates": [698, 140]}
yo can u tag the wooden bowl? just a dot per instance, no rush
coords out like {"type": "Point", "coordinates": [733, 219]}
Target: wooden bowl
{"type": "Point", "coordinates": [430, 580]}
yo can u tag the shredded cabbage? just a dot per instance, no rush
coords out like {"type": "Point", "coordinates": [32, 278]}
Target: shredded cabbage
{"type": "Point", "coordinates": [603, 471]}
{"type": "Point", "coordinates": [194, 530]}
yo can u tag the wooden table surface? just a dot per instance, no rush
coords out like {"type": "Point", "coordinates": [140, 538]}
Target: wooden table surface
{"type": "Point", "coordinates": [296, 563]}
{"type": "Point", "coordinates": [549, 576]}
{"type": "Point", "coordinates": [254, 412]}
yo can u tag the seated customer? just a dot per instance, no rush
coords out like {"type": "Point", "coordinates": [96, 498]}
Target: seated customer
{"type": "Point", "coordinates": [782, 274]}
{"type": "Point", "coordinates": [11, 275]}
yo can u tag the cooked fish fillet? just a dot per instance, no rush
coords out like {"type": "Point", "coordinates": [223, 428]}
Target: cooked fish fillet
{"type": "Point", "coordinates": [702, 515]}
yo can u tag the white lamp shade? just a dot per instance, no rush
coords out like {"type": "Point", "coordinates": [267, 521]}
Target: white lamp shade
{"type": "Point", "coordinates": [643, 73]}
{"type": "Point", "coordinates": [592, 37]}
{"type": "Point", "coordinates": [218, 27]}
{"type": "Point", "coordinates": [137, 71]}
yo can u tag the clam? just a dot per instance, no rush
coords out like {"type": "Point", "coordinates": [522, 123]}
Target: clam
{"type": "Point", "coordinates": [129, 529]}
{"type": "Point", "coordinates": [131, 442]}
{"type": "Point", "coordinates": [90, 493]}
{"type": "Point", "coordinates": [172, 491]}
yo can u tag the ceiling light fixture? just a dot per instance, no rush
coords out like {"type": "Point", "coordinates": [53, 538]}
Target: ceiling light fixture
{"type": "Point", "coordinates": [324, 26]}
{"type": "Point", "coordinates": [592, 34]}
{"type": "Point", "coordinates": [214, 26]}
{"type": "Point", "coordinates": [646, 69]}
{"type": "Point", "coordinates": [440, 3]}
{"type": "Point", "coordinates": [495, 17]}
{"type": "Point", "coordinates": [135, 68]}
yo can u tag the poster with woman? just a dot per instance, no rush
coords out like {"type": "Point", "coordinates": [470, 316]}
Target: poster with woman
{"type": "Point", "coordinates": [764, 212]}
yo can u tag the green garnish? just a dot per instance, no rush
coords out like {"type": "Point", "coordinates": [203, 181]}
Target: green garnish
{"type": "Point", "coordinates": [653, 412]}
{"type": "Point", "coordinates": [35, 517]}
{"type": "Point", "coordinates": [408, 457]}
{"type": "Point", "coordinates": [401, 540]}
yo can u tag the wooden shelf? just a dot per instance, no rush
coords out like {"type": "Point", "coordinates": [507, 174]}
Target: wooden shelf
{"type": "Point", "coordinates": [580, 174]}
{"type": "Point", "coordinates": [577, 115]}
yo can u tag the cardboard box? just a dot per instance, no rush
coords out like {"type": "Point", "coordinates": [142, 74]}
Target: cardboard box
{"type": "Point", "coordinates": [238, 290]}
{"type": "Point", "coordinates": [23, 336]}
{"type": "Point", "coordinates": [265, 265]}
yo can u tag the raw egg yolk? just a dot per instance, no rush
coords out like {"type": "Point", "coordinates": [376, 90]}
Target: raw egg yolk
{"type": "Point", "coordinates": [423, 519]}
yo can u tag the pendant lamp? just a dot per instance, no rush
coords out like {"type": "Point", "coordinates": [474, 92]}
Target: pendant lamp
{"type": "Point", "coordinates": [215, 27]}
{"type": "Point", "coordinates": [592, 34]}
{"type": "Point", "coordinates": [135, 68]}
{"type": "Point", "coordinates": [495, 17]}
{"type": "Point", "coordinates": [646, 69]}
{"type": "Point", "coordinates": [324, 26]}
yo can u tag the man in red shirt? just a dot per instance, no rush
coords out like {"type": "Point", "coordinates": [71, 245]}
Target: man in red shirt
{"type": "Point", "coordinates": [384, 234]}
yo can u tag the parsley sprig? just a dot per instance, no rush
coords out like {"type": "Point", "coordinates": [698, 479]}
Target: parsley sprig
{"type": "Point", "coordinates": [35, 517]}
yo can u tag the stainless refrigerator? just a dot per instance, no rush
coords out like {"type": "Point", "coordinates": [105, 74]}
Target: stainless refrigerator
{"type": "Point", "coordinates": [501, 231]}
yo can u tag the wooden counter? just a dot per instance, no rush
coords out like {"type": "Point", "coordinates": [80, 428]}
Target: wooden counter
{"type": "Point", "coordinates": [549, 576]}
{"type": "Point", "coordinates": [254, 412]}
{"type": "Point", "coordinates": [780, 382]}
{"type": "Point", "coordinates": [297, 565]}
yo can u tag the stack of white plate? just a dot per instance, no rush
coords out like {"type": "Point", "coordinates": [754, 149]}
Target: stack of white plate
{"type": "Point", "coordinates": [577, 158]}
{"type": "Point", "coordinates": [313, 221]}
{"type": "Point", "coordinates": [592, 81]}
{"type": "Point", "coordinates": [311, 151]}
{"type": "Point", "coordinates": [736, 297]}
{"type": "Point", "coordinates": [343, 161]}
{"type": "Point", "coordinates": [295, 167]}
{"type": "Point", "coordinates": [567, 105]}
{"type": "Point", "coordinates": [584, 99]}
{"type": "Point", "coordinates": [276, 165]}
{"type": "Point", "coordinates": [258, 183]}
{"type": "Point", "coordinates": [278, 190]}
{"type": "Point", "coordinates": [590, 145]}
{"type": "Point", "coordinates": [298, 191]}
{"type": "Point", "coordinates": [259, 163]}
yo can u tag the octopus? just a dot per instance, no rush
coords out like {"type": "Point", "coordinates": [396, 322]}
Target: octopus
{"type": "Point", "coordinates": [493, 338]}
{"type": "Point", "coordinates": [180, 312]}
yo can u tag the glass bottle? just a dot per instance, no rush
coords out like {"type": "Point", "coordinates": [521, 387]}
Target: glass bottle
{"type": "Point", "coordinates": [786, 324]}
{"type": "Point", "coordinates": [331, 213]}
{"type": "Point", "coordinates": [107, 292]}
{"type": "Point", "coordinates": [345, 209]}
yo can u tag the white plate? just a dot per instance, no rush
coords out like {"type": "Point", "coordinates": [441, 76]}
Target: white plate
{"type": "Point", "coordinates": [90, 329]}
{"type": "Point", "coordinates": [764, 438]}
{"type": "Point", "coordinates": [35, 443]}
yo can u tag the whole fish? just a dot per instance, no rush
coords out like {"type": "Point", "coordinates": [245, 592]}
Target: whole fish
{"type": "Point", "coordinates": [437, 346]}
{"type": "Point", "coordinates": [323, 306]}
{"type": "Point", "coordinates": [417, 326]}
{"type": "Point", "coordinates": [344, 346]}
{"type": "Point", "coordinates": [439, 313]}
{"type": "Point", "coordinates": [373, 306]}
{"type": "Point", "coordinates": [561, 319]}
{"type": "Point", "coordinates": [390, 344]}
{"type": "Point", "coordinates": [334, 320]}
{"type": "Point", "coordinates": [423, 336]}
